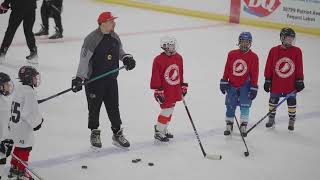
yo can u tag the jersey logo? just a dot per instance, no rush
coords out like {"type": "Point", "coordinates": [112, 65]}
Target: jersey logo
{"type": "Point", "coordinates": [239, 67]}
{"type": "Point", "coordinates": [171, 75]}
{"type": "Point", "coordinates": [285, 67]}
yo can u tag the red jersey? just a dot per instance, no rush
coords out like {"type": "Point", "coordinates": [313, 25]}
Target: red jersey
{"type": "Point", "coordinates": [167, 73]}
{"type": "Point", "coordinates": [240, 67]}
{"type": "Point", "coordinates": [284, 66]}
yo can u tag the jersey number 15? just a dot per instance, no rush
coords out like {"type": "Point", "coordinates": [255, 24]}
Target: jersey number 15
{"type": "Point", "coordinates": [15, 112]}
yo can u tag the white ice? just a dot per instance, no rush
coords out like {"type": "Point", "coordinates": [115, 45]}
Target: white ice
{"type": "Point", "coordinates": [62, 145]}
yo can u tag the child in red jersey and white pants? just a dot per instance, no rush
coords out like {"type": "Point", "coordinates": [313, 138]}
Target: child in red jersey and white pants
{"type": "Point", "coordinates": [168, 85]}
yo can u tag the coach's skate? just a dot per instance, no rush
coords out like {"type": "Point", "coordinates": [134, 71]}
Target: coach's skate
{"type": "Point", "coordinates": [95, 138]}
{"type": "Point", "coordinates": [119, 139]}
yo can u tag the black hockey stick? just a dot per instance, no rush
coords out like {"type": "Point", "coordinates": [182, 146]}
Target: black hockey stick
{"type": "Point", "coordinates": [284, 99]}
{"type": "Point", "coordinates": [27, 167]}
{"type": "Point", "coordinates": [244, 141]}
{"type": "Point", "coordinates": [208, 156]}
{"type": "Point", "coordinates": [84, 83]}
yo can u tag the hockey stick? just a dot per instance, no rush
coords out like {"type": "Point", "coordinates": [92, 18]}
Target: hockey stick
{"type": "Point", "coordinates": [27, 167]}
{"type": "Point", "coordinates": [284, 99]}
{"type": "Point", "coordinates": [82, 84]}
{"type": "Point", "coordinates": [208, 156]}
{"type": "Point", "coordinates": [244, 141]}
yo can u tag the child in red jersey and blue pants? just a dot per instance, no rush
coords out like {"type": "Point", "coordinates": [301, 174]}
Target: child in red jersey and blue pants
{"type": "Point", "coordinates": [240, 82]}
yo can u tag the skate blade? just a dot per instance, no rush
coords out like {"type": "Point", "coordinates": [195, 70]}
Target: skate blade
{"type": "Point", "coordinates": [119, 146]}
{"type": "Point", "coordinates": [42, 37]}
{"type": "Point", "coordinates": [160, 143]}
{"type": "Point", "coordinates": [96, 149]}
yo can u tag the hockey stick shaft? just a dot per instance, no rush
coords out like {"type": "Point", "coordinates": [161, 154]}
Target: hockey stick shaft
{"type": "Point", "coordinates": [273, 109]}
{"type": "Point", "coordinates": [214, 157]}
{"type": "Point", "coordinates": [84, 83]}
{"type": "Point", "coordinates": [244, 141]}
{"type": "Point", "coordinates": [26, 166]}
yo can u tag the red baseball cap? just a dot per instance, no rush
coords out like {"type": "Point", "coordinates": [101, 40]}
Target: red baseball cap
{"type": "Point", "coordinates": [105, 16]}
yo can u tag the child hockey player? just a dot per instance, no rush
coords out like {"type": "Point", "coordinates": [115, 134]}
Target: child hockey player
{"type": "Point", "coordinates": [240, 82]}
{"type": "Point", "coordinates": [284, 74]}
{"type": "Point", "coordinates": [168, 85]}
{"type": "Point", "coordinates": [6, 88]}
{"type": "Point", "coordinates": [25, 118]}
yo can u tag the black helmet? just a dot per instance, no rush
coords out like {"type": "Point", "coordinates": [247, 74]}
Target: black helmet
{"type": "Point", "coordinates": [285, 32]}
{"type": "Point", "coordinates": [4, 78]}
{"type": "Point", "coordinates": [27, 74]}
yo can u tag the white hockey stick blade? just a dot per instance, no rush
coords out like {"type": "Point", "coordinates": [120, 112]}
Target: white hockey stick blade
{"type": "Point", "coordinates": [213, 156]}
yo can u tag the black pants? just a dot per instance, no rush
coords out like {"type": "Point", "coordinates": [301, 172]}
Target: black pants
{"type": "Point", "coordinates": [106, 91]}
{"type": "Point", "coordinates": [50, 11]}
{"type": "Point", "coordinates": [16, 17]}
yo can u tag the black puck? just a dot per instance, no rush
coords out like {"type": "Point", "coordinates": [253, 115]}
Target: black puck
{"type": "Point", "coordinates": [138, 160]}
{"type": "Point", "coordinates": [150, 164]}
{"type": "Point", "coordinates": [84, 167]}
{"type": "Point", "coordinates": [134, 161]}
{"type": "Point", "coordinates": [246, 154]}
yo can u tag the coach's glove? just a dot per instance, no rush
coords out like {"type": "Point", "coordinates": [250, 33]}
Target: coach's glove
{"type": "Point", "coordinates": [76, 84]}
{"type": "Point", "coordinates": [39, 126]}
{"type": "Point", "coordinates": [267, 85]}
{"type": "Point", "coordinates": [224, 86]}
{"type": "Point", "coordinates": [253, 92]}
{"type": "Point", "coordinates": [184, 88]}
{"type": "Point", "coordinates": [6, 147]}
{"type": "Point", "coordinates": [159, 95]}
{"type": "Point", "coordinates": [299, 85]}
{"type": "Point", "coordinates": [129, 62]}
{"type": "Point", "coordinates": [4, 8]}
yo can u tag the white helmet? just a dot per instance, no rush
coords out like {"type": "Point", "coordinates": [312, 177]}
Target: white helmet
{"type": "Point", "coordinates": [168, 44]}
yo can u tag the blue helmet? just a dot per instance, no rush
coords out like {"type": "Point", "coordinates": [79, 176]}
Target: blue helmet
{"type": "Point", "coordinates": [245, 36]}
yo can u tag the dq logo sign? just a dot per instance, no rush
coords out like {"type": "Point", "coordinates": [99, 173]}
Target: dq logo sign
{"type": "Point", "coordinates": [261, 8]}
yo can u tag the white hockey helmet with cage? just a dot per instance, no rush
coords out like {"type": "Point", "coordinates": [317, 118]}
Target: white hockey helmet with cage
{"type": "Point", "coordinates": [168, 44]}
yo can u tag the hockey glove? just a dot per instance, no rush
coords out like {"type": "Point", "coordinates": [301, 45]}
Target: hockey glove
{"type": "Point", "coordinates": [267, 85]}
{"type": "Point", "coordinates": [129, 62]}
{"type": "Point", "coordinates": [224, 86]}
{"type": "Point", "coordinates": [184, 88]}
{"type": "Point", "coordinates": [159, 96]}
{"type": "Point", "coordinates": [299, 85]}
{"type": "Point", "coordinates": [39, 126]}
{"type": "Point", "coordinates": [76, 84]}
{"type": "Point", "coordinates": [4, 8]}
{"type": "Point", "coordinates": [253, 92]}
{"type": "Point", "coordinates": [6, 147]}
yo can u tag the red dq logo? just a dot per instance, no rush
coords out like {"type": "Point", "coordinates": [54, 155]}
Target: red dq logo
{"type": "Point", "coordinates": [261, 8]}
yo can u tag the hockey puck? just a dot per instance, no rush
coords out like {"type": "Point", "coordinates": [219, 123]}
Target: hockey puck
{"type": "Point", "coordinates": [134, 161]}
{"type": "Point", "coordinates": [138, 160]}
{"type": "Point", "coordinates": [246, 154]}
{"type": "Point", "coordinates": [150, 164]}
{"type": "Point", "coordinates": [84, 167]}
